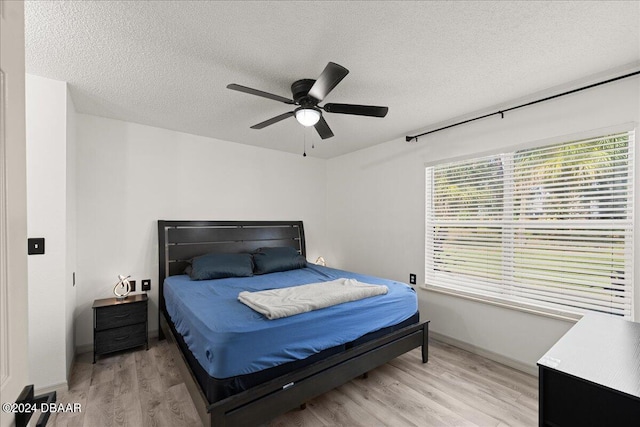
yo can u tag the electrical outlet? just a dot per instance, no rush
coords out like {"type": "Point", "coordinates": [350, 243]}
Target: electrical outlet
{"type": "Point", "coordinates": [132, 283]}
{"type": "Point", "coordinates": [146, 285]}
{"type": "Point", "coordinates": [412, 279]}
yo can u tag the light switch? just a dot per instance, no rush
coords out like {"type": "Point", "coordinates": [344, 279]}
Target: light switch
{"type": "Point", "coordinates": [35, 246]}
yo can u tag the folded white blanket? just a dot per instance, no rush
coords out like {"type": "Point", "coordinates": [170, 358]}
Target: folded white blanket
{"type": "Point", "coordinates": [283, 302]}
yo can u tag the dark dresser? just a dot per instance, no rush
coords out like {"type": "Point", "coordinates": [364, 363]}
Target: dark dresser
{"type": "Point", "coordinates": [591, 376]}
{"type": "Point", "coordinates": [120, 324]}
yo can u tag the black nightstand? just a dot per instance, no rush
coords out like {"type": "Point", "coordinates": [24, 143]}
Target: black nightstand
{"type": "Point", "coordinates": [120, 324]}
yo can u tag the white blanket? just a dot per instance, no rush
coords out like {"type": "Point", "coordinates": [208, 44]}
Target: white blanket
{"type": "Point", "coordinates": [283, 302]}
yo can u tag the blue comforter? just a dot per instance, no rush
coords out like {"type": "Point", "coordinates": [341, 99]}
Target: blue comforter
{"type": "Point", "coordinates": [228, 338]}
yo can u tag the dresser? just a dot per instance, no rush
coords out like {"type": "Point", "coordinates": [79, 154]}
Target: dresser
{"type": "Point", "coordinates": [591, 376]}
{"type": "Point", "coordinates": [120, 324]}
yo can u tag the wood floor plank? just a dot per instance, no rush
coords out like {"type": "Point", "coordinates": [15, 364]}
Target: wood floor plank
{"type": "Point", "coordinates": [468, 373]}
{"type": "Point", "coordinates": [127, 410]}
{"type": "Point", "coordinates": [481, 396]}
{"type": "Point", "coordinates": [153, 403]}
{"type": "Point", "coordinates": [505, 410]}
{"type": "Point", "coordinates": [501, 374]}
{"type": "Point", "coordinates": [338, 409]}
{"type": "Point", "coordinates": [103, 371]}
{"type": "Point", "coordinates": [414, 406]}
{"type": "Point", "coordinates": [99, 408]}
{"type": "Point", "coordinates": [125, 379]}
{"type": "Point", "coordinates": [80, 378]}
{"type": "Point", "coordinates": [369, 395]}
{"type": "Point", "coordinates": [482, 382]}
{"type": "Point", "coordinates": [169, 373]}
{"type": "Point", "coordinates": [477, 393]}
{"type": "Point", "coordinates": [386, 411]}
{"type": "Point", "coordinates": [433, 392]}
{"type": "Point", "coordinates": [298, 418]}
{"type": "Point", "coordinates": [181, 407]}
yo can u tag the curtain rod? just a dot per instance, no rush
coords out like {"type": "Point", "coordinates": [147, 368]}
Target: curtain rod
{"type": "Point", "coordinates": [501, 112]}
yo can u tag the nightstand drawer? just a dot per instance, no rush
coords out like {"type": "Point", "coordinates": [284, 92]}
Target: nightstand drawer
{"type": "Point", "coordinates": [120, 315]}
{"type": "Point", "coordinates": [120, 338]}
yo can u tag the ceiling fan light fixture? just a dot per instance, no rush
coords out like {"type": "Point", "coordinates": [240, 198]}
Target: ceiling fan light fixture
{"type": "Point", "coordinates": [307, 116]}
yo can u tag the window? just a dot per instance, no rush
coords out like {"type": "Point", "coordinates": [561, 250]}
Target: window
{"type": "Point", "coordinates": [550, 226]}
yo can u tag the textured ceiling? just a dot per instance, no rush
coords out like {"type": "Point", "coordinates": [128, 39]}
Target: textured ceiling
{"type": "Point", "coordinates": [167, 64]}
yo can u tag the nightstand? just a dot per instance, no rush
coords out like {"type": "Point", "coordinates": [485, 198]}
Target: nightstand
{"type": "Point", "coordinates": [120, 324]}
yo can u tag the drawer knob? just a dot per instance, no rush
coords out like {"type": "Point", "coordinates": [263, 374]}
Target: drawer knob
{"type": "Point", "coordinates": [121, 338]}
{"type": "Point", "coordinates": [122, 315]}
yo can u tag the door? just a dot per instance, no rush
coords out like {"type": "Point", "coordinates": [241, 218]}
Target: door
{"type": "Point", "coordinates": [13, 208]}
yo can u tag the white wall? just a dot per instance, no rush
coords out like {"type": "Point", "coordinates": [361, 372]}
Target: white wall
{"type": "Point", "coordinates": [376, 212]}
{"type": "Point", "coordinates": [363, 211]}
{"type": "Point", "coordinates": [130, 175]}
{"type": "Point", "coordinates": [46, 123]}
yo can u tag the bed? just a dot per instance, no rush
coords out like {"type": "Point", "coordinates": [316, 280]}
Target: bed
{"type": "Point", "coordinates": [274, 365]}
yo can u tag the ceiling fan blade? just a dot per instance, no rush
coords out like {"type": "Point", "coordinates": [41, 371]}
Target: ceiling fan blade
{"type": "Point", "coordinates": [323, 129]}
{"type": "Point", "coordinates": [272, 120]}
{"type": "Point", "coordinates": [358, 110]}
{"type": "Point", "coordinates": [330, 77]}
{"type": "Point", "coordinates": [261, 93]}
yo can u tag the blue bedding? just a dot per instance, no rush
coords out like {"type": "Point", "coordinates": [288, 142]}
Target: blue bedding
{"type": "Point", "coordinates": [229, 339]}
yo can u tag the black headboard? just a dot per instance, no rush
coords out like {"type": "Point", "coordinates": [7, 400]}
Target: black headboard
{"type": "Point", "coordinates": [180, 241]}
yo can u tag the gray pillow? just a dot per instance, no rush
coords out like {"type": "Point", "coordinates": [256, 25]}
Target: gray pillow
{"type": "Point", "coordinates": [218, 266]}
{"type": "Point", "coordinates": [282, 258]}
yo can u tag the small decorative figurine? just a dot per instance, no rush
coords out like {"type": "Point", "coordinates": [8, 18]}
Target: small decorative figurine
{"type": "Point", "coordinates": [122, 288]}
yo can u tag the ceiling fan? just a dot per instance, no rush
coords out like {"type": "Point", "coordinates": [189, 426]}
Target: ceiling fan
{"type": "Point", "coordinates": [307, 93]}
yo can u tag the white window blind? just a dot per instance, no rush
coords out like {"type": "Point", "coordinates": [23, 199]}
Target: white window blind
{"type": "Point", "coordinates": [549, 226]}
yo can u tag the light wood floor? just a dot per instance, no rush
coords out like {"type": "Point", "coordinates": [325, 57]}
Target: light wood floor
{"type": "Point", "coordinates": [144, 388]}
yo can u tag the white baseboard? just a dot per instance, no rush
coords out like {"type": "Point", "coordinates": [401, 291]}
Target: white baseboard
{"type": "Point", "coordinates": [84, 348]}
{"type": "Point", "coordinates": [507, 361]}
{"type": "Point", "coordinates": [63, 386]}
{"type": "Point", "coordinates": [73, 362]}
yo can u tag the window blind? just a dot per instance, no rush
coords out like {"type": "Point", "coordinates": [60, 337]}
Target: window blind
{"type": "Point", "coordinates": [549, 226]}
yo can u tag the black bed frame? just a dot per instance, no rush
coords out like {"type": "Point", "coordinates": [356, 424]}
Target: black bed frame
{"type": "Point", "coordinates": [180, 241]}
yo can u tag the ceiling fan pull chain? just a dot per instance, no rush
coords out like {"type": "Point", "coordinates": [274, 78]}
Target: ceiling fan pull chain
{"type": "Point", "coordinates": [304, 137]}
